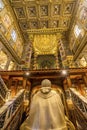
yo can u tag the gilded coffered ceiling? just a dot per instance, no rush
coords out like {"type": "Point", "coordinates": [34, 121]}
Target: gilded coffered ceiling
{"type": "Point", "coordinates": [43, 16]}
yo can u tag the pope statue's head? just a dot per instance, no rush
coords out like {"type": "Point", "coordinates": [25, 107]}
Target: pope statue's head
{"type": "Point", "coordinates": [45, 86]}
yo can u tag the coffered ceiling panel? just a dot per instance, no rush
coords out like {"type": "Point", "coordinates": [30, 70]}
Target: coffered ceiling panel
{"type": "Point", "coordinates": [40, 14]}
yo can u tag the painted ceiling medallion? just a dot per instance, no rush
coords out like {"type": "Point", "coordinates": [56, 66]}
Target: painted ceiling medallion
{"type": "Point", "coordinates": [45, 44]}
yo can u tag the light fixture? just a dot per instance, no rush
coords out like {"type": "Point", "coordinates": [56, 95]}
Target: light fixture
{"type": "Point", "coordinates": [27, 73]}
{"type": "Point", "coordinates": [64, 72]}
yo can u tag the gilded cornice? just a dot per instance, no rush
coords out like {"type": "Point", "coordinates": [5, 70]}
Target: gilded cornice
{"type": "Point", "coordinates": [47, 31]}
{"type": "Point", "coordinates": [9, 48]}
{"type": "Point", "coordinates": [81, 46]}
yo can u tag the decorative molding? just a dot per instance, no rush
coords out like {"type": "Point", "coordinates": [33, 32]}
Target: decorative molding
{"type": "Point", "coordinates": [9, 48]}
{"type": "Point", "coordinates": [47, 31]}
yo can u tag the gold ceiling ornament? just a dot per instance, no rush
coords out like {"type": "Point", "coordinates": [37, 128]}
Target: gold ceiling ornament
{"type": "Point", "coordinates": [31, 37]}
{"type": "Point", "coordinates": [59, 36]}
{"type": "Point", "coordinates": [45, 44]}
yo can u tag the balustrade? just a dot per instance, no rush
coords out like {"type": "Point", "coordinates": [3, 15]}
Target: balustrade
{"type": "Point", "coordinates": [8, 112]}
{"type": "Point", "coordinates": [80, 101]}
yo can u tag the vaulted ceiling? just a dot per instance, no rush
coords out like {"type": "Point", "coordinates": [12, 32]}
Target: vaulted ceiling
{"type": "Point", "coordinates": [34, 16]}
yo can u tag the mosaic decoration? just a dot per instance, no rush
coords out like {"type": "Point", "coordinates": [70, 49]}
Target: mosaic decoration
{"type": "Point", "coordinates": [47, 61]}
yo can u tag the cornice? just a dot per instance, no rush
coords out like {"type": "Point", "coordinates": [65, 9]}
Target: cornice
{"type": "Point", "coordinates": [9, 48]}
{"type": "Point", "coordinates": [45, 71]}
{"type": "Point", "coordinates": [47, 31]}
{"type": "Point", "coordinates": [81, 46]}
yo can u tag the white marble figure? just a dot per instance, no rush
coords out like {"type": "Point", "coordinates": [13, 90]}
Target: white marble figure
{"type": "Point", "coordinates": [46, 111]}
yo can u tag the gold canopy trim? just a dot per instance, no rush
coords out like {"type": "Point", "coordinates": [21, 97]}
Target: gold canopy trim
{"type": "Point", "coordinates": [45, 44]}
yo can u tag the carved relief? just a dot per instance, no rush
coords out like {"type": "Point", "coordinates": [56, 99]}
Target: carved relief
{"type": "Point", "coordinates": [44, 10]}
{"type": "Point", "coordinates": [33, 25]}
{"type": "Point", "coordinates": [44, 24]}
{"type": "Point", "coordinates": [40, 15]}
{"type": "Point", "coordinates": [20, 12]}
{"type": "Point", "coordinates": [55, 24]}
{"type": "Point", "coordinates": [56, 9]}
{"type": "Point", "coordinates": [32, 11]}
{"type": "Point", "coordinates": [24, 25]}
{"type": "Point", "coordinates": [68, 8]}
{"type": "Point", "coordinates": [45, 44]}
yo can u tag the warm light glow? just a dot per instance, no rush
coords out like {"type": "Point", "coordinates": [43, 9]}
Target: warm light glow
{"type": "Point", "coordinates": [77, 31]}
{"type": "Point", "coordinates": [83, 62]}
{"type": "Point", "coordinates": [11, 65]}
{"type": "Point", "coordinates": [1, 5]}
{"type": "Point", "coordinates": [14, 35]}
{"type": "Point", "coordinates": [64, 72]}
{"type": "Point", "coordinates": [27, 73]}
